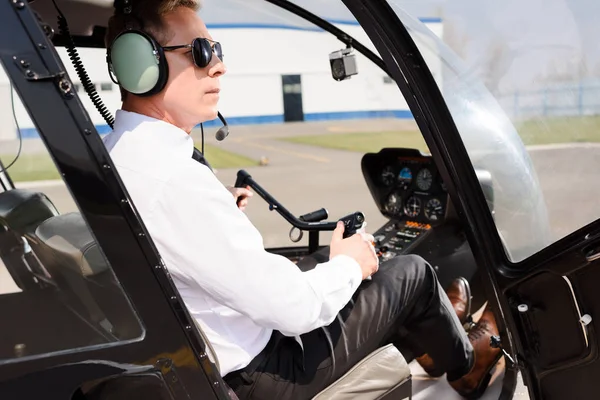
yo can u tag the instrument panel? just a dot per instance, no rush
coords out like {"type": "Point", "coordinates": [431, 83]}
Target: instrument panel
{"type": "Point", "coordinates": [406, 185]}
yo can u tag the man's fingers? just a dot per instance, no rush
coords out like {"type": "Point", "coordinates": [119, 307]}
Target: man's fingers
{"type": "Point", "coordinates": [338, 233]}
{"type": "Point", "coordinates": [243, 192]}
{"type": "Point", "coordinates": [367, 237]}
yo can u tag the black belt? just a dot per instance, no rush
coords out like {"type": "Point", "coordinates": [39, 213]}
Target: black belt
{"type": "Point", "coordinates": [241, 377]}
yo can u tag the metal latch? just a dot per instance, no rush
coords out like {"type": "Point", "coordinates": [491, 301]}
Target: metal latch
{"type": "Point", "coordinates": [593, 255]}
{"type": "Point", "coordinates": [496, 343]}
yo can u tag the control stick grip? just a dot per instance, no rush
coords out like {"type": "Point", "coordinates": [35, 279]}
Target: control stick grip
{"type": "Point", "coordinates": [242, 178]}
{"type": "Point", "coordinates": [353, 223]}
{"type": "Point", "coordinates": [241, 182]}
{"type": "Point", "coordinates": [315, 216]}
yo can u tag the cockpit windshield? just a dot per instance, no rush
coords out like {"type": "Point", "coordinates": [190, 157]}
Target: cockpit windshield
{"type": "Point", "coordinates": [493, 145]}
{"type": "Point", "coordinates": [489, 135]}
{"type": "Point", "coordinates": [522, 128]}
{"type": "Point", "coordinates": [525, 101]}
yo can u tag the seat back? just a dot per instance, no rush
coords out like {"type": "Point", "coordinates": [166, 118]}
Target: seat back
{"type": "Point", "coordinates": [70, 253]}
{"type": "Point", "coordinates": [21, 212]}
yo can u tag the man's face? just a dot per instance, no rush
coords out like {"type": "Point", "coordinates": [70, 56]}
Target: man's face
{"type": "Point", "coordinates": [192, 93]}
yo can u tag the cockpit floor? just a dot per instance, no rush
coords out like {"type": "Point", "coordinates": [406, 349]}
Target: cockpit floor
{"type": "Point", "coordinates": [428, 388]}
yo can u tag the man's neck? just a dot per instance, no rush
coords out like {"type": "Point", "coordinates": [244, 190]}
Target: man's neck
{"type": "Point", "coordinates": [151, 110]}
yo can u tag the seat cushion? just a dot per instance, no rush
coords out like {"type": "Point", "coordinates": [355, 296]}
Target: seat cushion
{"type": "Point", "coordinates": [371, 378]}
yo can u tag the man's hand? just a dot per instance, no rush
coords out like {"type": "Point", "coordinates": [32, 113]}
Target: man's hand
{"type": "Point", "coordinates": [245, 193]}
{"type": "Point", "coordinates": [358, 246]}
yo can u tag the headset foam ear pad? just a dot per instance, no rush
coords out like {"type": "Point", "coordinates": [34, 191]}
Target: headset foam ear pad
{"type": "Point", "coordinates": [135, 64]}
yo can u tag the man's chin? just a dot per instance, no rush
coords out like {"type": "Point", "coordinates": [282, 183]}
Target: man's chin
{"type": "Point", "coordinates": [212, 115]}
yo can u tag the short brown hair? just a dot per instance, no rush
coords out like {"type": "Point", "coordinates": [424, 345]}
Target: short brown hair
{"type": "Point", "coordinates": [146, 15]}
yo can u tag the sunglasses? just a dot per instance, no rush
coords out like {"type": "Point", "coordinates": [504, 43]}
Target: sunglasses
{"type": "Point", "coordinates": [202, 50]}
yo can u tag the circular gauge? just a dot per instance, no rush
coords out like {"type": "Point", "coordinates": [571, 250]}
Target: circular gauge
{"type": "Point", "coordinates": [424, 179]}
{"type": "Point", "coordinates": [412, 207]}
{"type": "Point", "coordinates": [393, 204]}
{"type": "Point", "coordinates": [405, 176]}
{"type": "Point", "coordinates": [388, 176]}
{"type": "Point", "coordinates": [434, 210]}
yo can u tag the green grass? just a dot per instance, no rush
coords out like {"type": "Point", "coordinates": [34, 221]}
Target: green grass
{"type": "Point", "coordinates": [31, 167]}
{"type": "Point", "coordinates": [560, 130]}
{"type": "Point", "coordinates": [39, 166]}
{"type": "Point", "coordinates": [550, 130]}
{"type": "Point", "coordinates": [222, 159]}
{"type": "Point", "coordinates": [363, 141]}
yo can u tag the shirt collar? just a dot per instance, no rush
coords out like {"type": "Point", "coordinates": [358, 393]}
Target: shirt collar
{"type": "Point", "coordinates": [154, 132]}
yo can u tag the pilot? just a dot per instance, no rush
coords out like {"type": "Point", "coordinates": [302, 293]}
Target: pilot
{"type": "Point", "coordinates": [279, 332]}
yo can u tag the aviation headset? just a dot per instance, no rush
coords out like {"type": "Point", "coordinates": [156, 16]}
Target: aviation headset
{"type": "Point", "coordinates": [136, 61]}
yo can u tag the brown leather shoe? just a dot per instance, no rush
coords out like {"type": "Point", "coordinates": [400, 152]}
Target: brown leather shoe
{"type": "Point", "coordinates": [428, 365]}
{"type": "Point", "coordinates": [459, 294]}
{"type": "Point", "coordinates": [473, 384]}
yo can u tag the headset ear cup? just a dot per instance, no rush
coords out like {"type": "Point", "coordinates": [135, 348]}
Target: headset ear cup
{"type": "Point", "coordinates": [138, 63]}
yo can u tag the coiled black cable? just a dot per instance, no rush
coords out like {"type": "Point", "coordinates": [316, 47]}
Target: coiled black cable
{"type": "Point", "coordinates": [86, 82]}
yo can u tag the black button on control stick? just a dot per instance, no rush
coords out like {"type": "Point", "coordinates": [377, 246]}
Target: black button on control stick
{"type": "Point", "coordinates": [352, 223]}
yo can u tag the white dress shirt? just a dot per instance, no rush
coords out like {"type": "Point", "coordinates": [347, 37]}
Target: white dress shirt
{"type": "Point", "coordinates": [238, 292]}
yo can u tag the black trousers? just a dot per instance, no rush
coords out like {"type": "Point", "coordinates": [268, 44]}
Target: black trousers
{"type": "Point", "coordinates": [403, 304]}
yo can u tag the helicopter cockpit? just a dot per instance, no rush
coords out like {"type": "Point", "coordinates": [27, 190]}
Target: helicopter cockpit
{"type": "Point", "coordinates": [331, 132]}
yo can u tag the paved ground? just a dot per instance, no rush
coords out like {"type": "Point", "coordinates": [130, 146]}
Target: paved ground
{"type": "Point", "coordinates": [305, 178]}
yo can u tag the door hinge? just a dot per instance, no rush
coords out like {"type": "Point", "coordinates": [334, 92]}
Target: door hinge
{"type": "Point", "coordinates": [171, 377]}
{"type": "Point", "coordinates": [35, 72]}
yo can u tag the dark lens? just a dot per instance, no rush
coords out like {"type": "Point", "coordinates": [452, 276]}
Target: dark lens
{"type": "Point", "coordinates": [218, 50]}
{"type": "Point", "coordinates": [202, 52]}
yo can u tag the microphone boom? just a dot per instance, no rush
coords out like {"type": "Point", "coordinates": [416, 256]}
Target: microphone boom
{"type": "Point", "coordinates": [223, 131]}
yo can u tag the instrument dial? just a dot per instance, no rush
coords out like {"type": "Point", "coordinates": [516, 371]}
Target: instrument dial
{"type": "Point", "coordinates": [388, 176]}
{"type": "Point", "coordinates": [393, 204]}
{"type": "Point", "coordinates": [405, 177]}
{"type": "Point", "coordinates": [413, 207]}
{"type": "Point", "coordinates": [424, 179]}
{"type": "Point", "coordinates": [434, 210]}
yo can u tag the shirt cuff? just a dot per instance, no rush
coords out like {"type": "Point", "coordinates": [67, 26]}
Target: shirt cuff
{"type": "Point", "coordinates": [352, 265]}
{"type": "Point", "coordinates": [340, 276]}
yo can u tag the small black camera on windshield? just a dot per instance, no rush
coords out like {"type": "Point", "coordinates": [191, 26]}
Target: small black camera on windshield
{"type": "Point", "coordinates": [343, 64]}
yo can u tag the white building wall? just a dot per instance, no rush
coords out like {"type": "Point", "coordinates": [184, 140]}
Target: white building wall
{"type": "Point", "coordinates": [252, 89]}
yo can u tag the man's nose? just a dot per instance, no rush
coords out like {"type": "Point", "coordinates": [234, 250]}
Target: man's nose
{"type": "Point", "coordinates": [216, 67]}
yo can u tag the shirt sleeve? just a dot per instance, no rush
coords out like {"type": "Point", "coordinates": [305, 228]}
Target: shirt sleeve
{"type": "Point", "coordinates": [206, 240]}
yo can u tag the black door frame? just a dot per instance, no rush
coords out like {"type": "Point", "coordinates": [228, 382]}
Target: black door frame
{"type": "Point", "coordinates": [37, 73]}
